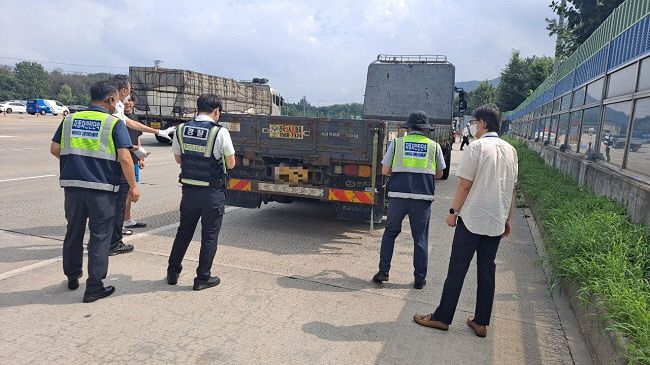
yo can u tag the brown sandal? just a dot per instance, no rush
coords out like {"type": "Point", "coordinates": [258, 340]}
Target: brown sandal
{"type": "Point", "coordinates": [425, 320]}
{"type": "Point", "coordinates": [481, 331]}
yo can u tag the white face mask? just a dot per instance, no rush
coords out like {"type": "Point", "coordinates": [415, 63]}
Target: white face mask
{"type": "Point", "coordinates": [126, 98]}
{"type": "Point", "coordinates": [473, 129]}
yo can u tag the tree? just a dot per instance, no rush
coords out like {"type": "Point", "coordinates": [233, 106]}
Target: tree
{"type": "Point", "coordinates": [33, 81]}
{"type": "Point", "coordinates": [583, 17]}
{"type": "Point", "coordinates": [304, 108]}
{"type": "Point", "coordinates": [65, 94]}
{"type": "Point", "coordinates": [520, 78]}
{"type": "Point", "coordinates": [8, 84]}
{"type": "Point", "coordinates": [484, 93]}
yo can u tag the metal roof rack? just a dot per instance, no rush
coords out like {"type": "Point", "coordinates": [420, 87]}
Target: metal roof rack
{"type": "Point", "coordinates": [387, 58]}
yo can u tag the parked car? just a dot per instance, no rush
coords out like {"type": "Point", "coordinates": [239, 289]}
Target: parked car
{"type": "Point", "coordinates": [12, 107]}
{"type": "Point", "coordinates": [76, 108]}
{"type": "Point", "coordinates": [618, 140]}
{"type": "Point", "coordinates": [44, 106]}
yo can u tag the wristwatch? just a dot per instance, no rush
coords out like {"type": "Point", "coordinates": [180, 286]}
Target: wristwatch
{"type": "Point", "coordinates": [453, 211]}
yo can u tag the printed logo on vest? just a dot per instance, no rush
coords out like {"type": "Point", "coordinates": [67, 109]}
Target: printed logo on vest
{"type": "Point", "coordinates": [85, 128]}
{"type": "Point", "coordinates": [415, 150]}
{"type": "Point", "coordinates": [196, 132]}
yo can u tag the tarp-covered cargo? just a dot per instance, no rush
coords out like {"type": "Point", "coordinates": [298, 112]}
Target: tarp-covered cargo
{"type": "Point", "coordinates": [161, 92]}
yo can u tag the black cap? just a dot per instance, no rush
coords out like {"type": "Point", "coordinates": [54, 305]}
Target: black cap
{"type": "Point", "coordinates": [417, 119]}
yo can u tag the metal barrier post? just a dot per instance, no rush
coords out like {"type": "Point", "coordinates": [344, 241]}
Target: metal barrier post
{"type": "Point", "coordinates": [373, 178]}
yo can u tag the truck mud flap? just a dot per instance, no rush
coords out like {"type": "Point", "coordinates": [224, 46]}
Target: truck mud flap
{"type": "Point", "coordinates": [243, 199]}
{"type": "Point", "coordinates": [358, 212]}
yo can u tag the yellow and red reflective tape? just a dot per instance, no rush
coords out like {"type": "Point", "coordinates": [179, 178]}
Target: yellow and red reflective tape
{"type": "Point", "coordinates": [351, 196]}
{"type": "Point", "coordinates": [242, 185]}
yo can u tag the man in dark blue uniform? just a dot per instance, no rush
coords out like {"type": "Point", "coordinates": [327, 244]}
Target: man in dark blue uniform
{"type": "Point", "coordinates": [413, 162]}
{"type": "Point", "coordinates": [93, 149]}
{"type": "Point", "coordinates": [204, 150]}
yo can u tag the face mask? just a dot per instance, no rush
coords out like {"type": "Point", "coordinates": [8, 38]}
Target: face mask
{"type": "Point", "coordinates": [126, 98]}
{"type": "Point", "coordinates": [473, 129]}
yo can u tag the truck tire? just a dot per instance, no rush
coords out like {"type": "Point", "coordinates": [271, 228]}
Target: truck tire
{"type": "Point", "coordinates": [164, 140]}
{"type": "Point", "coordinates": [447, 154]}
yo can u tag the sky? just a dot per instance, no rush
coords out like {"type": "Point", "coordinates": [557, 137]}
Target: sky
{"type": "Point", "coordinates": [320, 49]}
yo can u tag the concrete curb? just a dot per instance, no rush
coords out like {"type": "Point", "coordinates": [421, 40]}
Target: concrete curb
{"type": "Point", "coordinates": [588, 339]}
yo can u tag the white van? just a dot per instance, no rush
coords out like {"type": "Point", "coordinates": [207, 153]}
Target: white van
{"type": "Point", "coordinates": [57, 107]}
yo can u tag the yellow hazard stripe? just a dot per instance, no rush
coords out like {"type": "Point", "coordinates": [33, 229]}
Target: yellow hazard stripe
{"type": "Point", "coordinates": [241, 185]}
{"type": "Point", "coordinates": [351, 196]}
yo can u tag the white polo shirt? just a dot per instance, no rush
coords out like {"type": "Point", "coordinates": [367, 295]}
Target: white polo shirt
{"type": "Point", "coordinates": [222, 143]}
{"type": "Point", "coordinates": [491, 164]}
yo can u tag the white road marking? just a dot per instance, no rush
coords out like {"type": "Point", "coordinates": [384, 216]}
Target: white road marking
{"type": "Point", "coordinates": [38, 265]}
{"type": "Point", "coordinates": [27, 178]}
{"type": "Point", "coordinates": [21, 149]}
{"type": "Point", "coordinates": [157, 163]}
{"type": "Point", "coordinates": [11, 273]}
{"type": "Point", "coordinates": [7, 136]}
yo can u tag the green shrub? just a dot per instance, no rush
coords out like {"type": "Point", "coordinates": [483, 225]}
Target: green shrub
{"type": "Point", "coordinates": [591, 242]}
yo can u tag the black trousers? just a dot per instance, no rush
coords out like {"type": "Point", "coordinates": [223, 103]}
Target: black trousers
{"type": "Point", "coordinates": [462, 250]}
{"type": "Point", "coordinates": [118, 222]}
{"type": "Point", "coordinates": [464, 142]}
{"type": "Point", "coordinates": [208, 204]}
{"type": "Point", "coordinates": [419, 212]}
{"type": "Point", "coordinates": [97, 208]}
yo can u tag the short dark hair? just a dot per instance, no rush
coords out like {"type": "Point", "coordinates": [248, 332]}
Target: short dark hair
{"type": "Point", "coordinates": [120, 81]}
{"type": "Point", "coordinates": [101, 89]}
{"type": "Point", "coordinates": [490, 114]}
{"type": "Point", "coordinates": [206, 103]}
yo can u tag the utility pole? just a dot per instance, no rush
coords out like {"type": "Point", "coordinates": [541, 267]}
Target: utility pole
{"type": "Point", "coordinates": [156, 63]}
{"type": "Point", "coordinates": [558, 40]}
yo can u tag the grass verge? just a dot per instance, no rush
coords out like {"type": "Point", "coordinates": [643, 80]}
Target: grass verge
{"type": "Point", "coordinates": [591, 242]}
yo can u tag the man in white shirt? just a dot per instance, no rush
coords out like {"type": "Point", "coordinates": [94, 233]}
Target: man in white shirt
{"type": "Point", "coordinates": [481, 212]}
{"type": "Point", "coordinates": [204, 150]}
{"type": "Point", "coordinates": [465, 137]}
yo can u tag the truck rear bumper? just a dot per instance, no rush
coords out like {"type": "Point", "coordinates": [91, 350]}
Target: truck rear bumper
{"type": "Point", "coordinates": [303, 191]}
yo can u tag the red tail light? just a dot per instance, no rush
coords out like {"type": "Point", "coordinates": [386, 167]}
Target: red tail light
{"type": "Point", "coordinates": [351, 170]}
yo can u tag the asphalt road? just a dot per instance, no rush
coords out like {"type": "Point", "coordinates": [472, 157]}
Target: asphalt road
{"type": "Point", "coordinates": [295, 283]}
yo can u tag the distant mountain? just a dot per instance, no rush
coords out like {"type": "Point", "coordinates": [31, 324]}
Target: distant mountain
{"type": "Point", "coordinates": [471, 85]}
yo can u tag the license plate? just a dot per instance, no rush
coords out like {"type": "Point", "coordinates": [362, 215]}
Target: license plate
{"type": "Point", "coordinates": [155, 125]}
{"type": "Point", "coordinates": [295, 190]}
{"type": "Point", "coordinates": [286, 131]}
{"type": "Point", "coordinates": [291, 175]}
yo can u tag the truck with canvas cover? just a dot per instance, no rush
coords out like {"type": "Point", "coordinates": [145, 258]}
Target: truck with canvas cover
{"type": "Point", "coordinates": [166, 97]}
{"type": "Point", "coordinates": [284, 159]}
{"type": "Point", "coordinates": [400, 84]}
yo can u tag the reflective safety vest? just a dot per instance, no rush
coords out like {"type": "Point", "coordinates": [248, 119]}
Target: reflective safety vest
{"type": "Point", "coordinates": [414, 168]}
{"type": "Point", "coordinates": [199, 167]}
{"type": "Point", "coordinates": [88, 154]}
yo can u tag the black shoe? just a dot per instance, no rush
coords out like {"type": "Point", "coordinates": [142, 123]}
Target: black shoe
{"type": "Point", "coordinates": [73, 283]}
{"type": "Point", "coordinates": [121, 248]}
{"type": "Point", "coordinates": [103, 293]}
{"type": "Point", "coordinates": [172, 278]}
{"type": "Point", "coordinates": [200, 284]}
{"type": "Point", "coordinates": [420, 284]}
{"type": "Point", "coordinates": [380, 276]}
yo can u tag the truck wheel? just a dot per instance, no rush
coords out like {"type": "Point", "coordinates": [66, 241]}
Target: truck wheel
{"type": "Point", "coordinates": [447, 154]}
{"type": "Point", "coordinates": [43, 112]}
{"type": "Point", "coordinates": [164, 140]}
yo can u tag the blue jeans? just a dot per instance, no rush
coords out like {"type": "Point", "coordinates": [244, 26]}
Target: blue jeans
{"type": "Point", "coordinates": [418, 212]}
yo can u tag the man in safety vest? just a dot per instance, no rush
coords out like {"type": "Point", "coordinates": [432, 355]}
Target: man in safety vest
{"type": "Point", "coordinates": [204, 150]}
{"type": "Point", "coordinates": [412, 162]}
{"type": "Point", "coordinates": [93, 149]}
